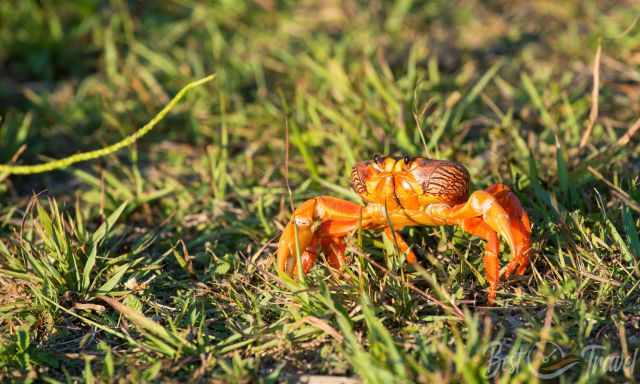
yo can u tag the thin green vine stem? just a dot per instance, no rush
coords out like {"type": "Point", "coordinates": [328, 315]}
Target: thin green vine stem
{"type": "Point", "coordinates": [90, 155]}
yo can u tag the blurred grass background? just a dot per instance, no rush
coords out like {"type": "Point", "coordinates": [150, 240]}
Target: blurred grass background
{"type": "Point", "coordinates": [180, 228]}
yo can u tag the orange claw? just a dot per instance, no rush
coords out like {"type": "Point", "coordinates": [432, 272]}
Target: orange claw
{"type": "Point", "coordinates": [322, 221]}
{"type": "Point", "coordinates": [409, 192]}
{"type": "Point", "coordinates": [485, 213]}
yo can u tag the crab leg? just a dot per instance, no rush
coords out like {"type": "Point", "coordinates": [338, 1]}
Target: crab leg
{"type": "Point", "coordinates": [404, 247]}
{"type": "Point", "coordinates": [520, 226]}
{"type": "Point", "coordinates": [477, 227]}
{"type": "Point", "coordinates": [331, 234]}
{"type": "Point", "coordinates": [480, 204]}
{"type": "Point", "coordinates": [320, 221]}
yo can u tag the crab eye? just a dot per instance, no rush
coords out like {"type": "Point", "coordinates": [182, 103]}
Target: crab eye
{"type": "Point", "coordinates": [377, 158]}
{"type": "Point", "coordinates": [406, 159]}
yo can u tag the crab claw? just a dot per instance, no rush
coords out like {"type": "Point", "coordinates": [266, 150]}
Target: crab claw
{"type": "Point", "coordinates": [300, 226]}
{"type": "Point", "coordinates": [487, 214]}
{"type": "Point", "coordinates": [322, 221]}
{"type": "Point", "coordinates": [501, 213]}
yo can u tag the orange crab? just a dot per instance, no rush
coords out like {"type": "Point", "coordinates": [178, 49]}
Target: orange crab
{"type": "Point", "coordinates": [409, 192]}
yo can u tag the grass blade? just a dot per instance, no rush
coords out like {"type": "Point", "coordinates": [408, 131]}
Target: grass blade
{"type": "Point", "coordinates": [102, 230]}
{"type": "Point", "coordinates": [88, 267]}
{"type": "Point", "coordinates": [115, 279]}
{"type": "Point", "coordinates": [145, 323]}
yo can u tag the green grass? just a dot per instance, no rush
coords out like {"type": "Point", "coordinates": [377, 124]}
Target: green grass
{"type": "Point", "coordinates": [156, 263]}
